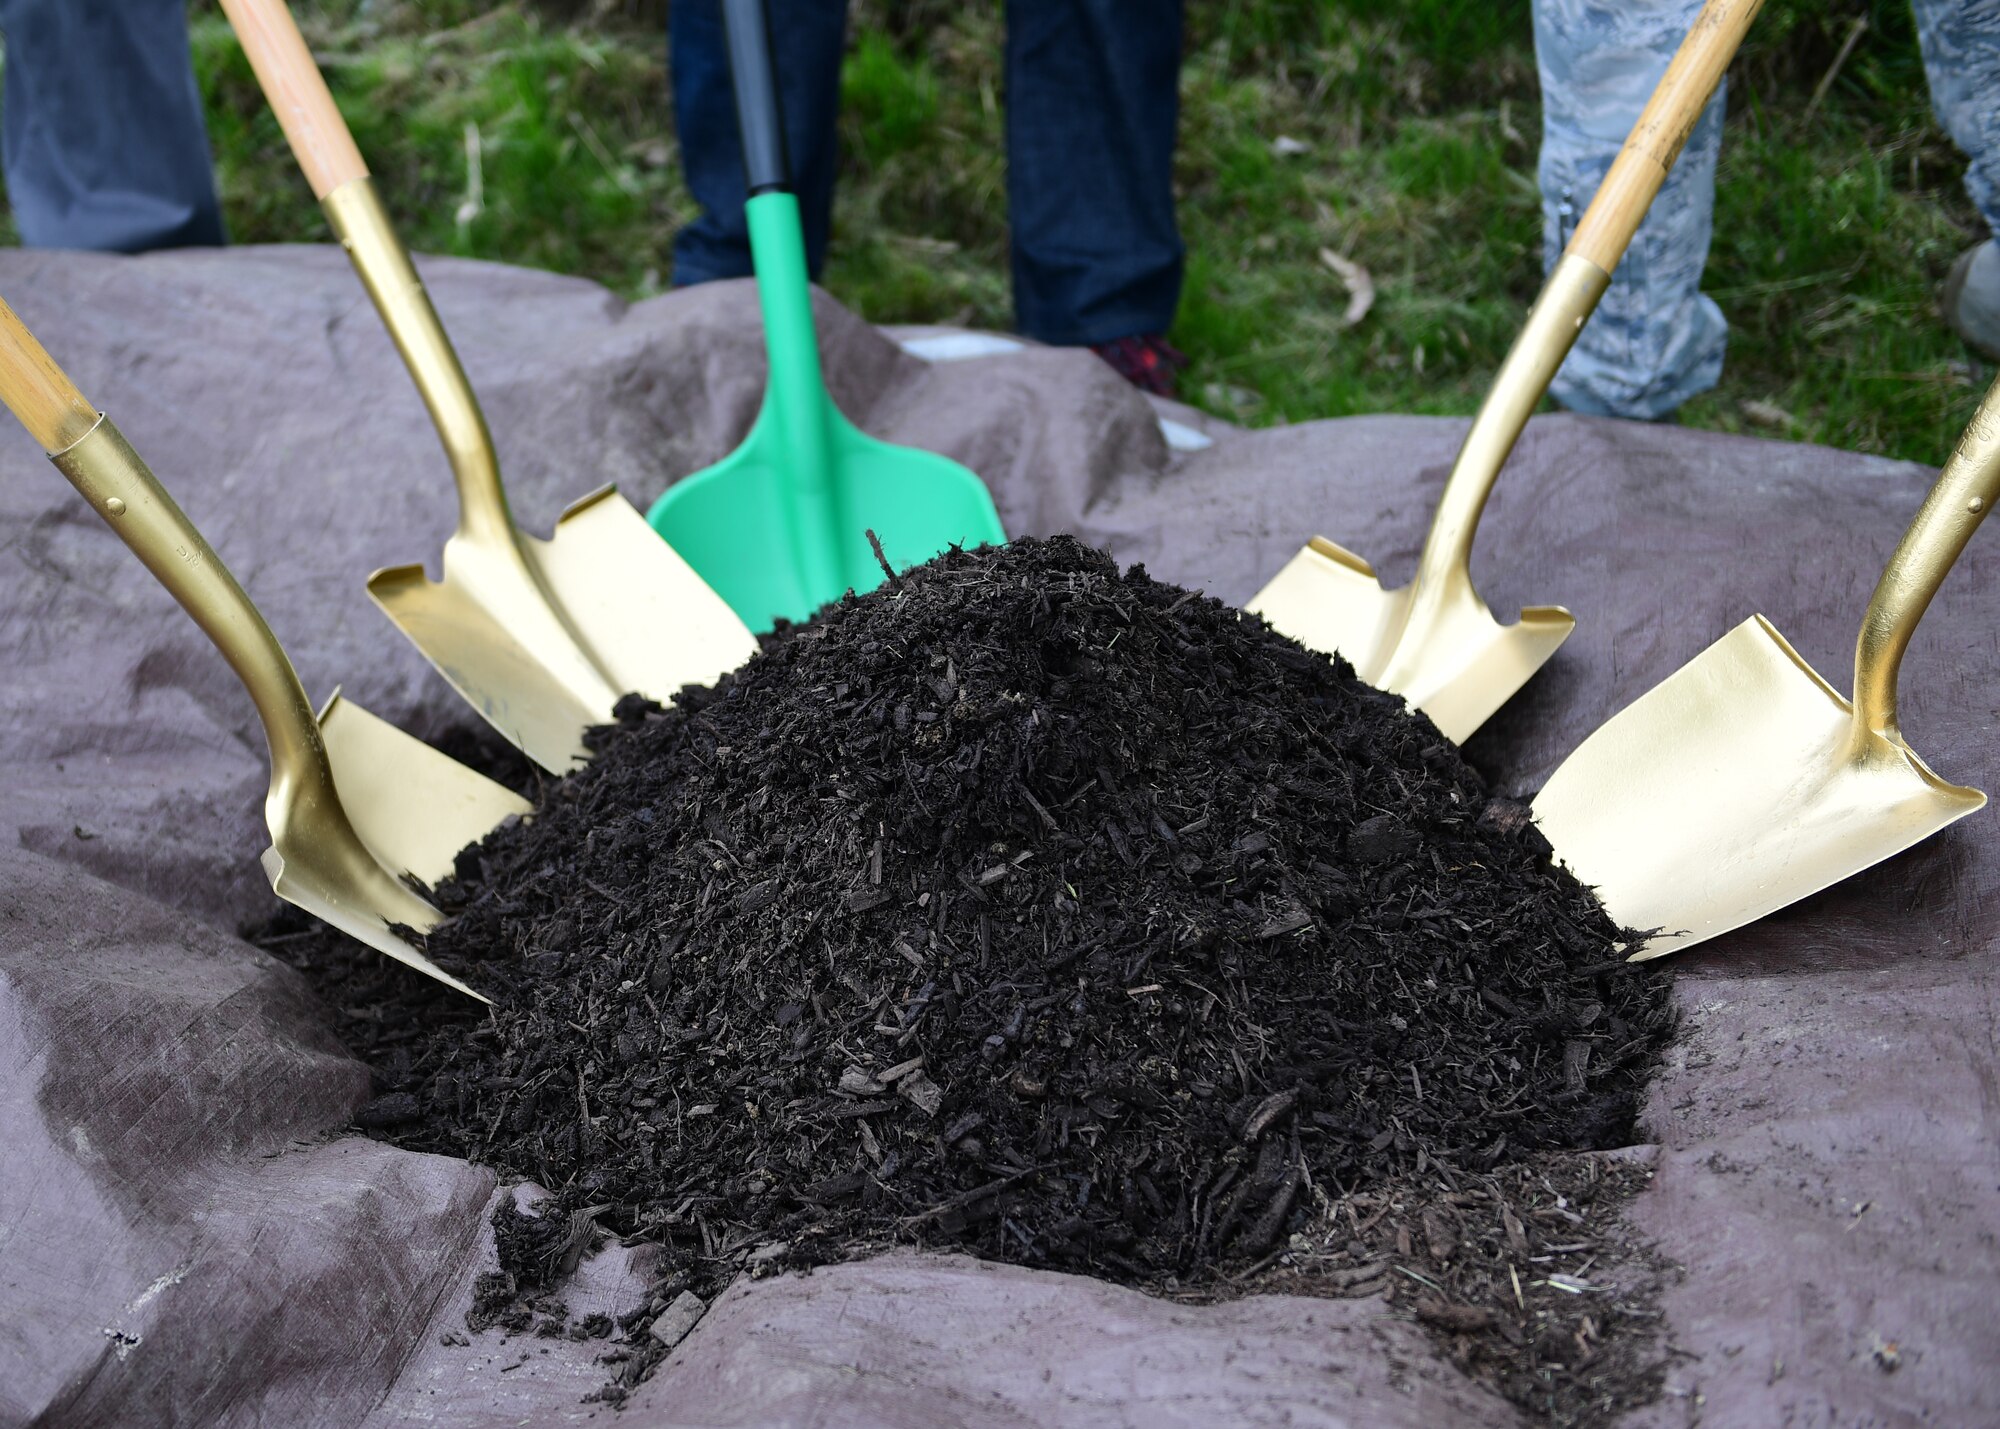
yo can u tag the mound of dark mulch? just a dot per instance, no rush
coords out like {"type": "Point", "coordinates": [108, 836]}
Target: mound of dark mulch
{"type": "Point", "coordinates": [1021, 906]}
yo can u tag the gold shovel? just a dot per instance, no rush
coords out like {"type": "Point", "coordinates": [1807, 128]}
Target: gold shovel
{"type": "Point", "coordinates": [1434, 641]}
{"type": "Point", "coordinates": [1743, 781]}
{"type": "Point", "coordinates": [354, 803]}
{"type": "Point", "coordinates": [540, 637]}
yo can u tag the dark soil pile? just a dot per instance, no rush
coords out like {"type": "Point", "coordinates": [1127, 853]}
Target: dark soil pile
{"type": "Point", "coordinates": [1022, 906]}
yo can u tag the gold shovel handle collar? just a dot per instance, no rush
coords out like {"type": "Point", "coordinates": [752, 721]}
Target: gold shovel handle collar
{"type": "Point", "coordinates": [361, 223]}
{"type": "Point", "coordinates": [89, 450]}
{"type": "Point", "coordinates": [1958, 501]}
{"type": "Point", "coordinates": [325, 150]}
{"type": "Point", "coordinates": [111, 476]}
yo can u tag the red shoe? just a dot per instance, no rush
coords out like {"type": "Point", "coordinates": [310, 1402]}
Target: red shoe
{"type": "Point", "coordinates": [1148, 361]}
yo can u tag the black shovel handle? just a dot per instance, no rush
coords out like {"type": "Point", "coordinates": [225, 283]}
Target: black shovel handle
{"type": "Point", "coordinates": [759, 119]}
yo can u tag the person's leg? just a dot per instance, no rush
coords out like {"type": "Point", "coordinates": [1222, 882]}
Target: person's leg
{"type": "Point", "coordinates": [1960, 40]}
{"type": "Point", "coordinates": [806, 41]}
{"type": "Point", "coordinates": [1093, 99]}
{"type": "Point", "coordinates": [101, 133]}
{"type": "Point", "coordinates": [1654, 341]}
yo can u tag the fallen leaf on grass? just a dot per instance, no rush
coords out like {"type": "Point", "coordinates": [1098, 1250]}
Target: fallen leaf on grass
{"type": "Point", "coordinates": [1360, 285]}
{"type": "Point", "coordinates": [1241, 400]}
{"type": "Point", "coordinates": [1768, 414]}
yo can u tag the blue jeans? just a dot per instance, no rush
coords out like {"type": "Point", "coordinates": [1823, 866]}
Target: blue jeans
{"type": "Point", "coordinates": [101, 134]}
{"type": "Point", "coordinates": [1655, 340]}
{"type": "Point", "coordinates": [1092, 105]}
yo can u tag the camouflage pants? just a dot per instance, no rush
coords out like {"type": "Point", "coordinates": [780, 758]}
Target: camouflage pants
{"type": "Point", "coordinates": [1656, 340]}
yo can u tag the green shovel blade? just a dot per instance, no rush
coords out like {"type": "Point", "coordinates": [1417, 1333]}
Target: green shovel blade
{"type": "Point", "coordinates": [779, 527]}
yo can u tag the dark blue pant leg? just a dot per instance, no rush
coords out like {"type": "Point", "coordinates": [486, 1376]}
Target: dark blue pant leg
{"type": "Point", "coordinates": [101, 132]}
{"type": "Point", "coordinates": [1093, 98]}
{"type": "Point", "coordinates": [806, 41]}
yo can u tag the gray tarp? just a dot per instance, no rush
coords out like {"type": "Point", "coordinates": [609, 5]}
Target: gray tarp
{"type": "Point", "coordinates": [185, 1235]}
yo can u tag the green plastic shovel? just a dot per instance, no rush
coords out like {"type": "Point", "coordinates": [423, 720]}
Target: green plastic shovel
{"type": "Point", "coordinates": [779, 527]}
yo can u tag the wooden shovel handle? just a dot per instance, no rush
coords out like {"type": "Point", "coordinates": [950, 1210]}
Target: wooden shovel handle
{"type": "Point", "coordinates": [297, 93]}
{"type": "Point", "coordinates": [1656, 140]}
{"type": "Point", "coordinates": [37, 391]}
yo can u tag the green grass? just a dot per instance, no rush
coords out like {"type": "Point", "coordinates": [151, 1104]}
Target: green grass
{"type": "Point", "coordinates": [1420, 123]}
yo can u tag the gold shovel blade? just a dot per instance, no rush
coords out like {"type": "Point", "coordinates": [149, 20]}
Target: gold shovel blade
{"type": "Point", "coordinates": [412, 808]}
{"type": "Point", "coordinates": [1734, 787]}
{"type": "Point", "coordinates": [1464, 667]}
{"type": "Point", "coordinates": [633, 616]}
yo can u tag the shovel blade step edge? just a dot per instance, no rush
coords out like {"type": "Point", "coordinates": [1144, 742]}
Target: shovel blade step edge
{"type": "Point", "coordinates": [1458, 671]}
{"type": "Point", "coordinates": [642, 620]}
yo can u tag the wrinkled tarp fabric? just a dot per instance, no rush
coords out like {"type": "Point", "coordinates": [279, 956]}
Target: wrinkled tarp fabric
{"type": "Point", "coordinates": [188, 1236]}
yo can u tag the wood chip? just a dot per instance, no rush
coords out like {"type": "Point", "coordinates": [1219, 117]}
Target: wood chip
{"type": "Point", "coordinates": [672, 1324]}
{"type": "Point", "coordinates": [1290, 923]}
{"type": "Point", "coordinates": [1465, 1319]}
{"type": "Point", "coordinates": [860, 1082]}
{"type": "Point", "coordinates": [1439, 1238]}
{"type": "Point", "coordinates": [926, 1095]}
